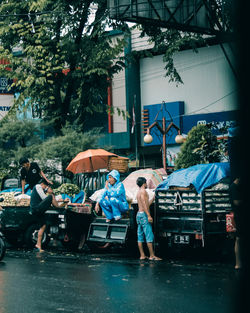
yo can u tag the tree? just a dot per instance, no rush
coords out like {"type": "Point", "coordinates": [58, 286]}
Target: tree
{"type": "Point", "coordinates": [23, 138]}
{"type": "Point", "coordinates": [56, 153]}
{"type": "Point", "coordinates": [67, 56]}
{"type": "Point", "coordinates": [168, 42]}
{"type": "Point", "coordinates": [17, 136]}
{"type": "Point", "coordinates": [200, 147]}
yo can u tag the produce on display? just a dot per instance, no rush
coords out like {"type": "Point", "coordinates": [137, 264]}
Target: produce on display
{"type": "Point", "coordinates": [9, 199]}
{"type": "Point", "coordinates": [69, 189]}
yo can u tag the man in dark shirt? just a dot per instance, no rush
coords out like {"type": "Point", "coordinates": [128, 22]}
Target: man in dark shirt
{"type": "Point", "coordinates": [41, 199]}
{"type": "Point", "coordinates": [31, 173]}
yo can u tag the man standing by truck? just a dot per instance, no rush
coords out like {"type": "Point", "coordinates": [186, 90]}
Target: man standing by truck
{"type": "Point", "coordinates": [144, 221]}
{"type": "Point", "coordinates": [31, 173]}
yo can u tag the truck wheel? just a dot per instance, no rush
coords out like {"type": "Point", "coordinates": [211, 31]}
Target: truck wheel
{"type": "Point", "coordinates": [2, 248]}
{"type": "Point", "coordinates": [31, 234]}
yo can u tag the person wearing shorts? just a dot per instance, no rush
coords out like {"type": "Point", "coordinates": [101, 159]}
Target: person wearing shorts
{"type": "Point", "coordinates": [42, 197]}
{"type": "Point", "coordinates": [144, 221]}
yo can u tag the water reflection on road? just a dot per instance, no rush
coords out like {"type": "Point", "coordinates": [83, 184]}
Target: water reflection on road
{"type": "Point", "coordinates": [50, 282]}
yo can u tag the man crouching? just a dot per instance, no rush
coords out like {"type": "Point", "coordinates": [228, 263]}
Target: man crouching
{"type": "Point", "coordinates": [42, 198]}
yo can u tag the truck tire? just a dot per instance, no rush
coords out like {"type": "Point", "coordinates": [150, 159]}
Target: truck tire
{"type": "Point", "coordinates": [30, 237]}
{"type": "Point", "coordinates": [2, 248]}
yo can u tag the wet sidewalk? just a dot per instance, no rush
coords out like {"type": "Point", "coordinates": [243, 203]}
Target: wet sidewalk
{"type": "Point", "coordinates": [75, 283]}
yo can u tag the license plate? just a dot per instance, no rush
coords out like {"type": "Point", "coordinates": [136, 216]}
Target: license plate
{"type": "Point", "coordinates": [182, 239]}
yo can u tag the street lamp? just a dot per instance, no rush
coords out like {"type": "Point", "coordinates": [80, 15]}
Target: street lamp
{"type": "Point", "coordinates": [163, 130]}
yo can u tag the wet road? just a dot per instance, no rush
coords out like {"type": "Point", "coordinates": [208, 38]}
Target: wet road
{"type": "Point", "coordinates": [88, 283]}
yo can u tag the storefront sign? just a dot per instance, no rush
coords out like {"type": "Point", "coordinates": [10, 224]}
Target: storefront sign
{"type": "Point", "coordinates": [219, 121]}
{"type": "Point", "coordinates": [4, 108]}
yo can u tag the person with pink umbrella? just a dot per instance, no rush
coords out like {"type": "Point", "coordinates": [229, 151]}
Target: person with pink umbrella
{"type": "Point", "coordinates": [113, 201]}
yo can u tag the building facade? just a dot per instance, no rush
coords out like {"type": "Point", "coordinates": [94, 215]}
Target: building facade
{"type": "Point", "coordinates": [208, 95]}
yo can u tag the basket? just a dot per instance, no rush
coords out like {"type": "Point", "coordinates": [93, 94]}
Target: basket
{"type": "Point", "coordinates": [119, 164]}
{"type": "Point", "coordinates": [83, 208]}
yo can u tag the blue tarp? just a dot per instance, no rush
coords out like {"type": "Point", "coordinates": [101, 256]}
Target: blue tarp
{"type": "Point", "coordinates": [19, 190]}
{"type": "Point", "coordinates": [78, 198]}
{"type": "Point", "coordinates": [200, 176]}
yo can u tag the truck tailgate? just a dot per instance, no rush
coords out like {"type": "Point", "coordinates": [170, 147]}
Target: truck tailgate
{"type": "Point", "coordinates": [188, 212]}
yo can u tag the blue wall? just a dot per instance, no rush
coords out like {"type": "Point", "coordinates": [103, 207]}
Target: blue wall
{"type": "Point", "coordinates": [172, 111]}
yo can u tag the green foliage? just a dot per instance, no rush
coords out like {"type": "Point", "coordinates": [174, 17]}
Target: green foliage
{"type": "Point", "coordinates": [17, 139]}
{"type": "Point", "coordinates": [69, 189]}
{"type": "Point", "coordinates": [57, 35]}
{"type": "Point", "coordinates": [168, 42]}
{"type": "Point", "coordinates": [200, 147]}
{"type": "Point", "coordinates": [22, 138]}
{"type": "Point", "coordinates": [62, 149]}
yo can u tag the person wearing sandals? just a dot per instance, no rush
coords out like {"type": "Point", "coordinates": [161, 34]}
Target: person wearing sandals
{"type": "Point", "coordinates": [113, 201]}
{"type": "Point", "coordinates": [41, 199]}
{"type": "Point", "coordinates": [144, 221]}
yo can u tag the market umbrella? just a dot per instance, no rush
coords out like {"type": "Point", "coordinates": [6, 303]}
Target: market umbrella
{"type": "Point", "coordinates": [90, 160]}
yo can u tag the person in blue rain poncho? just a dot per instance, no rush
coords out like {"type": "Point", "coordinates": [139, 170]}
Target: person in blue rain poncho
{"type": "Point", "coordinates": [113, 201]}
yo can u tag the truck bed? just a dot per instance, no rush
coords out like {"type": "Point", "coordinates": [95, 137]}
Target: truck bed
{"type": "Point", "coordinates": [187, 212]}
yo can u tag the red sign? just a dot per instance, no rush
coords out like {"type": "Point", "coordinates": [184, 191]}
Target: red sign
{"type": "Point", "coordinates": [230, 223]}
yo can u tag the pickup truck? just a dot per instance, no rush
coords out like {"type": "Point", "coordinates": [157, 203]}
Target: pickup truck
{"type": "Point", "coordinates": [20, 227]}
{"type": "Point", "coordinates": [185, 217]}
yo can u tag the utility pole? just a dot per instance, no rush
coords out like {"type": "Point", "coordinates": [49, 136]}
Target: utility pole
{"type": "Point", "coordinates": [136, 141]}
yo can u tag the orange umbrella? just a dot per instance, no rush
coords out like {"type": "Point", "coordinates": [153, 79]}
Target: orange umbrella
{"type": "Point", "coordinates": [90, 160]}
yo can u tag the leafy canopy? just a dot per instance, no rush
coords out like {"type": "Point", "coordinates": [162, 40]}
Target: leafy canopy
{"type": "Point", "coordinates": [24, 138]}
{"type": "Point", "coordinates": [200, 147]}
{"type": "Point", "coordinates": [66, 58]}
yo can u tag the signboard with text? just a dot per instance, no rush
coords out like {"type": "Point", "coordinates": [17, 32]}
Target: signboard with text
{"type": "Point", "coordinates": [218, 120]}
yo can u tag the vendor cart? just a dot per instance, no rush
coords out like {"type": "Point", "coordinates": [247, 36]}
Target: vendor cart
{"type": "Point", "coordinates": [122, 232]}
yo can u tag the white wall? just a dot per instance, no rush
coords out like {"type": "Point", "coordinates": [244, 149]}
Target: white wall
{"type": "Point", "coordinates": [208, 81]}
{"type": "Point", "coordinates": [6, 102]}
{"type": "Point", "coordinates": [119, 101]}
{"type": "Point", "coordinates": [139, 43]}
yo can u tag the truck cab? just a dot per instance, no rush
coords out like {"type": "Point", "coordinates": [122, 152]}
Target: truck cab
{"type": "Point", "coordinates": [10, 183]}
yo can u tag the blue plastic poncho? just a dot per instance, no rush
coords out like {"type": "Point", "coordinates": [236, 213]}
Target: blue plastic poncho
{"type": "Point", "coordinates": [78, 198]}
{"type": "Point", "coordinates": [113, 201]}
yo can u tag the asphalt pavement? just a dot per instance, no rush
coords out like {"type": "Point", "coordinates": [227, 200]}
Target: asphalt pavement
{"type": "Point", "coordinates": [112, 282]}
